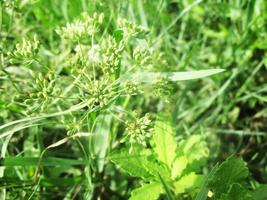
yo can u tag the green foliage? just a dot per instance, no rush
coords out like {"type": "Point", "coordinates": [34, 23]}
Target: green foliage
{"type": "Point", "coordinates": [139, 130]}
{"type": "Point", "coordinates": [195, 150]}
{"type": "Point", "coordinates": [260, 193]}
{"type": "Point", "coordinates": [237, 192]}
{"type": "Point", "coordinates": [147, 191]}
{"type": "Point", "coordinates": [163, 163]}
{"type": "Point", "coordinates": [228, 181]}
{"type": "Point", "coordinates": [165, 144]}
{"type": "Point", "coordinates": [189, 181]}
{"type": "Point", "coordinates": [81, 82]}
{"type": "Point", "coordinates": [137, 164]}
{"type": "Point", "coordinates": [231, 171]}
{"type": "Point", "coordinates": [25, 52]}
{"type": "Point", "coordinates": [171, 166]}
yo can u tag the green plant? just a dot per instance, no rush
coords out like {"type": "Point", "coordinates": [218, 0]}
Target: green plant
{"type": "Point", "coordinates": [167, 167]}
{"type": "Point", "coordinates": [175, 168]}
{"type": "Point", "coordinates": [95, 74]}
{"type": "Point", "coordinates": [81, 82]}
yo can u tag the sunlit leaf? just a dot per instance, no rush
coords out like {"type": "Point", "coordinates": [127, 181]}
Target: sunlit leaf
{"type": "Point", "coordinates": [195, 149]}
{"type": "Point", "coordinates": [164, 141]}
{"type": "Point", "coordinates": [178, 167]}
{"type": "Point", "coordinates": [188, 182]}
{"type": "Point", "coordinates": [150, 191]}
{"type": "Point", "coordinates": [133, 163]}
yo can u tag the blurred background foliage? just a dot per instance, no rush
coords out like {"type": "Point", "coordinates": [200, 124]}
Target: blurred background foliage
{"type": "Point", "coordinates": [191, 35]}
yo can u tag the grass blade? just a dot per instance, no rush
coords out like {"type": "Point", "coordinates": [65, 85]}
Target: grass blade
{"type": "Point", "coordinates": [152, 77]}
{"type": "Point", "coordinates": [33, 161]}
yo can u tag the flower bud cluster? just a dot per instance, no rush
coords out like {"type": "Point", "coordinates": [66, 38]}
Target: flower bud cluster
{"type": "Point", "coordinates": [40, 91]}
{"type": "Point", "coordinates": [104, 57]}
{"type": "Point", "coordinates": [26, 51]}
{"type": "Point", "coordinates": [112, 54]}
{"type": "Point", "coordinates": [162, 87]}
{"type": "Point", "coordinates": [82, 28]}
{"type": "Point", "coordinates": [73, 124]}
{"type": "Point", "coordinates": [98, 93]}
{"type": "Point", "coordinates": [131, 29]}
{"type": "Point", "coordinates": [148, 59]}
{"type": "Point", "coordinates": [131, 88]}
{"type": "Point", "coordinates": [139, 130]}
{"type": "Point", "coordinates": [141, 56]}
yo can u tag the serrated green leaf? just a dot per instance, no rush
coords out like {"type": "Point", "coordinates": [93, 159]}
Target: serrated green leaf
{"type": "Point", "coordinates": [233, 170]}
{"type": "Point", "coordinates": [164, 143]}
{"type": "Point", "coordinates": [136, 163]}
{"type": "Point", "coordinates": [188, 182]}
{"type": "Point", "coordinates": [178, 166]}
{"type": "Point", "coordinates": [155, 168]}
{"type": "Point", "coordinates": [237, 192]}
{"type": "Point", "coordinates": [150, 191]}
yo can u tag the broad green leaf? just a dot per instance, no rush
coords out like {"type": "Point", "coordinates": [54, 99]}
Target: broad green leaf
{"type": "Point", "coordinates": [195, 150]}
{"type": "Point", "coordinates": [152, 77]}
{"type": "Point", "coordinates": [155, 168]}
{"type": "Point", "coordinates": [233, 170]}
{"type": "Point", "coordinates": [237, 192]}
{"type": "Point", "coordinates": [133, 163]}
{"type": "Point", "coordinates": [150, 191]}
{"type": "Point", "coordinates": [188, 182]}
{"type": "Point", "coordinates": [260, 193]}
{"type": "Point", "coordinates": [164, 143]}
{"type": "Point", "coordinates": [178, 166]}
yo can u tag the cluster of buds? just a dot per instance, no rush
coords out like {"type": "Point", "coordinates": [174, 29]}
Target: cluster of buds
{"type": "Point", "coordinates": [10, 3]}
{"type": "Point", "coordinates": [85, 58]}
{"type": "Point", "coordinates": [82, 28]}
{"type": "Point", "coordinates": [104, 57]}
{"type": "Point", "coordinates": [139, 130]}
{"type": "Point", "coordinates": [73, 124]}
{"type": "Point", "coordinates": [26, 51]}
{"type": "Point", "coordinates": [162, 87]}
{"type": "Point", "coordinates": [77, 60]}
{"type": "Point", "coordinates": [158, 60]}
{"type": "Point", "coordinates": [41, 91]}
{"type": "Point", "coordinates": [18, 3]}
{"type": "Point", "coordinates": [141, 56]}
{"type": "Point", "coordinates": [131, 88]}
{"type": "Point", "coordinates": [98, 93]}
{"type": "Point", "coordinates": [112, 53]}
{"type": "Point", "coordinates": [131, 29]}
{"type": "Point", "coordinates": [148, 58]}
